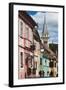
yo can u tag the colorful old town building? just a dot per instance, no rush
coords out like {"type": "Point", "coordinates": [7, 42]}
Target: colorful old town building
{"type": "Point", "coordinates": [28, 37]}
{"type": "Point", "coordinates": [44, 66]}
{"type": "Point", "coordinates": [37, 43]}
{"type": "Point", "coordinates": [35, 57]}
{"type": "Point", "coordinates": [44, 61]}
{"type": "Point", "coordinates": [48, 65]}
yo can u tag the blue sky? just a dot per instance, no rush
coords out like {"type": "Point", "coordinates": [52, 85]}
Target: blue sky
{"type": "Point", "coordinates": [52, 23]}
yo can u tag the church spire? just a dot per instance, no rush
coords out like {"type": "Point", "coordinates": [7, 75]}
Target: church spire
{"type": "Point", "coordinates": [44, 25]}
{"type": "Point", "coordinates": [45, 31]}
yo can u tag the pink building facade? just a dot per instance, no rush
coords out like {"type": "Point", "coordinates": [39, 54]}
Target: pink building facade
{"type": "Point", "coordinates": [26, 48]}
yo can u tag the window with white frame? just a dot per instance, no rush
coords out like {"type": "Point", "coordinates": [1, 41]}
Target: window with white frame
{"type": "Point", "coordinates": [21, 29]}
{"type": "Point", "coordinates": [27, 32]}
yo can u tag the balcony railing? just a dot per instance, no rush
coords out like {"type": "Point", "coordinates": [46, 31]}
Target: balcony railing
{"type": "Point", "coordinates": [28, 44]}
{"type": "Point", "coordinates": [32, 47]}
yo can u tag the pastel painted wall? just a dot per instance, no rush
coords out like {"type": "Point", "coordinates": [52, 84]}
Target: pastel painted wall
{"type": "Point", "coordinates": [45, 66]}
{"type": "Point", "coordinates": [24, 34]}
{"type": "Point", "coordinates": [54, 69]}
{"type": "Point", "coordinates": [22, 43]}
{"type": "Point", "coordinates": [37, 56]}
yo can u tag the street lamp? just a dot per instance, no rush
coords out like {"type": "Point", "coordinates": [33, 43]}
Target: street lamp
{"type": "Point", "coordinates": [42, 50]}
{"type": "Point", "coordinates": [36, 27]}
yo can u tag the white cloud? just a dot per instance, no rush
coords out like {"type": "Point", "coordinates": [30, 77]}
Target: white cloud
{"type": "Point", "coordinates": [52, 23]}
{"type": "Point", "coordinates": [50, 17]}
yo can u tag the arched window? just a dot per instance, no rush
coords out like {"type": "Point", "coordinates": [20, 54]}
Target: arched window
{"type": "Point", "coordinates": [47, 73]}
{"type": "Point", "coordinates": [51, 73]}
{"type": "Point", "coordinates": [51, 64]}
{"type": "Point", "coordinates": [41, 73]}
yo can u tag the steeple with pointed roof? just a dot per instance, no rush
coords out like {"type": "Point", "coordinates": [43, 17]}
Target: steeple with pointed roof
{"type": "Point", "coordinates": [45, 32]}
